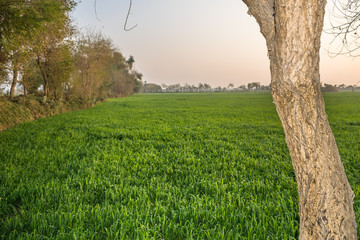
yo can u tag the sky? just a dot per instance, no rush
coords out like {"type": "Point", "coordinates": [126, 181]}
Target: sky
{"type": "Point", "coordinates": [198, 41]}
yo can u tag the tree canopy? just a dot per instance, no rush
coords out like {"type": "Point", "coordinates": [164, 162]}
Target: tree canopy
{"type": "Point", "coordinates": [41, 51]}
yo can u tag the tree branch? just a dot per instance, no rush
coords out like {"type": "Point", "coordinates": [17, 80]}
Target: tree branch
{"type": "Point", "coordinates": [127, 18]}
{"type": "Point", "coordinates": [96, 15]}
{"type": "Point", "coordinates": [347, 26]}
{"type": "Point", "coordinates": [264, 13]}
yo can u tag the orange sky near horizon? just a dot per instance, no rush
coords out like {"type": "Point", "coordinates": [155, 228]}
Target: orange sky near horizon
{"type": "Point", "coordinates": [199, 41]}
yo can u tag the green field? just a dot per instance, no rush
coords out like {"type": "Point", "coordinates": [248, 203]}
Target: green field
{"type": "Point", "coordinates": [162, 166]}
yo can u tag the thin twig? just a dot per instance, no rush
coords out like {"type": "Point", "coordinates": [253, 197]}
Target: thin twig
{"type": "Point", "coordinates": [127, 17]}
{"type": "Point", "coordinates": [348, 29]}
{"type": "Point", "coordinates": [96, 11]}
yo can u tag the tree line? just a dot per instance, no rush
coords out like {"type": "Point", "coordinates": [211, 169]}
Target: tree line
{"type": "Point", "coordinates": [42, 51]}
{"type": "Point", "coordinates": [202, 87]}
{"type": "Point", "coordinates": [252, 86]}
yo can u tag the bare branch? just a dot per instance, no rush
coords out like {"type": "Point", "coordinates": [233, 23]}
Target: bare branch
{"type": "Point", "coordinates": [345, 26]}
{"type": "Point", "coordinates": [96, 15]}
{"type": "Point", "coordinates": [127, 18]}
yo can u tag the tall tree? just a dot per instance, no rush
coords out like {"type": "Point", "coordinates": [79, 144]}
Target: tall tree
{"type": "Point", "coordinates": [59, 68]}
{"type": "Point", "coordinates": [292, 30]}
{"type": "Point", "coordinates": [51, 34]}
{"type": "Point", "coordinates": [19, 53]}
{"type": "Point", "coordinates": [31, 78]}
{"type": "Point", "coordinates": [28, 27]}
{"type": "Point", "coordinates": [130, 62]}
{"type": "Point", "coordinates": [15, 72]}
{"type": "Point", "coordinates": [18, 18]}
{"type": "Point", "coordinates": [125, 80]}
{"type": "Point", "coordinates": [92, 60]}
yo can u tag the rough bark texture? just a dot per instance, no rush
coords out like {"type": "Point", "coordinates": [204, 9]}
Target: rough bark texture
{"type": "Point", "coordinates": [292, 29]}
{"type": "Point", "coordinates": [15, 78]}
{"type": "Point", "coordinates": [42, 67]}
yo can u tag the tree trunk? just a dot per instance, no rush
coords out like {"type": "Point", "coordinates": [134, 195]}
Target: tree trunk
{"type": "Point", "coordinates": [15, 78]}
{"type": "Point", "coordinates": [42, 68]}
{"type": "Point", "coordinates": [292, 30]}
{"type": "Point", "coordinates": [46, 87]}
{"type": "Point", "coordinates": [25, 90]}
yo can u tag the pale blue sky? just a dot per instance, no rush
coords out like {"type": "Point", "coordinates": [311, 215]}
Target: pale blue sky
{"type": "Point", "coordinates": [193, 41]}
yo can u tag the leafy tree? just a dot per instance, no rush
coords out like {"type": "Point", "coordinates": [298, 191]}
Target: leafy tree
{"type": "Point", "coordinates": [15, 72]}
{"type": "Point", "coordinates": [341, 86]}
{"type": "Point", "coordinates": [59, 68]}
{"type": "Point", "coordinates": [242, 87]}
{"type": "Point", "coordinates": [125, 80]}
{"type": "Point", "coordinates": [31, 77]}
{"type": "Point", "coordinates": [255, 85]}
{"type": "Point", "coordinates": [119, 74]}
{"type": "Point", "coordinates": [176, 87]}
{"type": "Point", "coordinates": [130, 62]}
{"type": "Point", "coordinates": [17, 18]}
{"type": "Point", "coordinates": [22, 22]}
{"type": "Point", "coordinates": [329, 88]}
{"type": "Point", "coordinates": [93, 57]}
{"type": "Point", "coordinates": [292, 31]}
{"type": "Point", "coordinates": [137, 80]}
{"type": "Point", "coordinates": [50, 35]}
{"type": "Point", "coordinates": [207, 86]}
{"type": "Point", "coordinates": [201, 86]}
{"type": "Point", "coordinates": [18, 58]}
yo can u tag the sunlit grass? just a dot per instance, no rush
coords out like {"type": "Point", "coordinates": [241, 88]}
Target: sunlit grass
{"type": "Point", "coordinates": [161, 166]}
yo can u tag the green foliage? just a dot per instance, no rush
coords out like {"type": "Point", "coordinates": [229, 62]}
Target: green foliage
{"type": "Point", "coordinates": [50, 49]}
{"type": "Point", "coordinates": [22, 20]}
{"type": "Point", "coordinates": [35, 45]}
{"type": "Point", "coordinates": [329, 88]}
{"type": "Point", "coordinates": [18, 18]}
{"type": "Point", "coordinates": [34, 29]}
{"type": "Point", "coordinates": [124, 80]}
{"type": "Point", "coordinates": [59, 69]}
{"type": "Point", "coordinates": [92, 60]}
{"type": "Point", "coordinates": [161, 166]}
{"type": "Point", "coordinates": [31, 77]}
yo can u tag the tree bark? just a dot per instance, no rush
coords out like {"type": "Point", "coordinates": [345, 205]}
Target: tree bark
{"type": "Point", "coordinates": [292, 30]}
{"type": "Point", "coordinates": [15, 78]}
{"type": "Point", "coordinates": [42, 68]}
{"type": "Point", "coordinates": [25, 90]}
